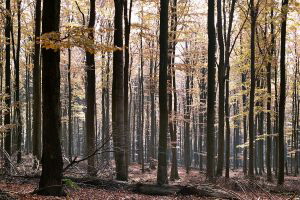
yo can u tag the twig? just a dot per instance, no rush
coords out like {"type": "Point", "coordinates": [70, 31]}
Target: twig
{"type": "Point", "coordinates": [83, 16]}
{"type": "Point", "coordinates": [75, 161]}
{"type": "Point", "coordinates": [10, 162]}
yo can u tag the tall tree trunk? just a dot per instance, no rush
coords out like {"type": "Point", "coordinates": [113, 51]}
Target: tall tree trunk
{"type": "Point", "coordinates": [91, 95]}
{"type": "Point", "coordinates": [28, 113]}
{"type": "Point", "coordinates": [252, 89]}
{"type": "Point", "coordinates": [51, 178]}
{"type": "Point", "coordinates": [17, 80]}
{"type": "Point", "coordinates": [245, 152]}
{"type": "Point", "coordinates": [281, 114]}
{"type": "Point", "coordinates": [118, 96]}
{"type": "Point", "coordinates": [127, 20]}
{"type": "Point", "coordinates": [221, 78]}
{"type": "Point", "coordinates": [152, 100]}
{"type": "Point", "coordinates": [36, 109]}
{"type": "Point", "coordinates": [171, 78]}
{"type": "Point", "coordinates": [70, 146]}
{"type": "Point", "coordinates": [227, 112]}
{"type": "Point", "coordinates": [211, 93]}
{"type": "Point", "coordinates": [202, 86]}
{"type": "Point", "coordinates": [187, 119]}
{"type": "Point", "coordinates": [162, 171]}
{"type": "Point", "coordinates": [227, 68]}
{"type": "Point", "coordinates": [7, 85]}
{"type": "Point", "coordinates": [269, 101]}
{"type": "Point", "coordinates": [140, 128]}
{"type": "Point", "coordinates": [276, 123]}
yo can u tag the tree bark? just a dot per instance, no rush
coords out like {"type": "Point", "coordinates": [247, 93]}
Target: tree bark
{"type": "Point", "coordinates": [7, 141]}
{"type": "Point", "coordinates": [17, 80]}
{"type": "Point", "coordinates": [269, 101]}
{"type": "Point", "coordinates": [91, 95]}
{"type": "Point", "coordinates": [70, 115]}
{"type": "Point", "coordinates": [211, 93]}
{"type": "Point", "coordinates": [281, 114]}
{"type": "Point", "coordinates": [51, 178]}
{"type": "Point", "coordinates": [118, 96]}
{"type": "Point", "coordinates": [127, 20]}
{"type": "Point", "coordinates": [36, 109]}
{"type": "Point", "coordinates": [252, 90]}
{"type": "Point", "coordinates": [162, 171]}
{"type": "Point", "coordinates": [221, 80]}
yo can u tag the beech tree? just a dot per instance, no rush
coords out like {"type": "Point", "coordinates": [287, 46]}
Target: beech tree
{"type": "Point", "coordinates": [7, 84]}
{"type": "Point", "coordinates": [211, 93]}
{"type": "Point", "coordinates": [51, 178]}
{"type": "Point", "coordinates": [282, 100]}
{"type": "Point", "coordinates": [162, 170]}
{"type": "Point", "coordinates": [36, 109]}
{"type": "Point", "coordinates": [118, 96]}
{"type": "Point", "coordinates": [91, 93]}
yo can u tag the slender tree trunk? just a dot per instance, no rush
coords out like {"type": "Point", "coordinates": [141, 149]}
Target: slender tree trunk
{"type": "Point", "coordinates": [269, 101]}
{"type": "Point", "coordinates": [36, 129]}
{"type": "Point", "coordinates": [171, 78]}
{"type": "Point", "coordinates": [118, 96]}
{"type": "Point", "coordinates": [17, 80]}
{"type": "Point", "coordinates": [140, 128]}
{"type": "Point", "coordinates": [221, 78]}
{"type": "Point", "coordinates": [281, 114]}
{"type": "Point", "coordinates": [127, 20]}
{"type": "Point", "coordinates": [211, 93]}
{"type": "Point", "coordinates": [152, 100]}
{"type": "Point", "coordinates": [202, 86]}
{"type": "Point", "coordinates": [7, 140]}
{"type": "Point", "coordinates": [162, 171]}
{"type": "Point", "coordinates": [227, 68]}
{"type": "Point", "coordinates": [227, 112]}
{"type": "Point", "coordinates": [252, 90]}
{"type": "Point", "coordinates": [187, 119]}
{"type": "Point", "coordinates": [51, 178]}
{"type": "Point", "coordinates": [276, 124]}
{"type": "Point", "coordinates": [133, 132]}
{"type": "Point", "coordinates": [70, 106]}
{"type": "Point", "coordinates": [91, 95]}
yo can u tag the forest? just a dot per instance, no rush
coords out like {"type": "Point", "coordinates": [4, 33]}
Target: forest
{"type": "Point", "coordinates": [149, 99]}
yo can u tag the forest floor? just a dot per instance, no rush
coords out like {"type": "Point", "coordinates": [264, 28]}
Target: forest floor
{"type": "Point", "coordinates": [21, 187]}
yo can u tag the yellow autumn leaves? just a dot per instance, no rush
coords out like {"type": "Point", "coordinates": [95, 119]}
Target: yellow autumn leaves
{"type": "Point", "coordinates": [75, 37]}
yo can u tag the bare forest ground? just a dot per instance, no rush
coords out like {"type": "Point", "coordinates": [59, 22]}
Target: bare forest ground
{"type": "Point", "coordinates": [104, 186]}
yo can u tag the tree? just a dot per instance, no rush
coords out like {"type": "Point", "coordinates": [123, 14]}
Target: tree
{"type": "Point", "coordinates": [127, 20]}
{"type": "Point", "coordinates": [172, 79]}
{"type": "Point", "coordinates": [221, 80]}
{"type": "Point", "coordinates": [118, 96]}
{"type": "Point", "coordinates": [70, 129]}
{"type": "Point", "coordinates": [17, 80]}
{"type": "Point", "coordinates": [228, 48]}
{"type": "Point", "coordinates": [281, 114]}
{"type": "Point", "coordinates": [211, 93]}
{"type": "Point", "coordinates": [253, 13]}
{"type": "Point", "coordinates": [91, 94]}
{"type": "Point", "coordinates": [51, 178]}
{"type": "Point", "coordinates": [36, 140]}
{"type": "Point", "coordinates": [269, 88]}
{"type": "Point", "coordinates": [162, 171]}
{"type": "Point", "coordinates": [7, 142]}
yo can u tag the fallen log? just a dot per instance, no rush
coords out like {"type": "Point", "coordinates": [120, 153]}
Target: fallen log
{"type": "Point", "coordinates": [160, 190]}
{"type": "Point", "coordinates": [199, 191]}
{"type": "Point", "coordinates": [100, 183]}
{"type": "Point", "coordinates": [207, 191]}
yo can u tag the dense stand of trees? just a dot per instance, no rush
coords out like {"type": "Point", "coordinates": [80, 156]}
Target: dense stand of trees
{"type": "Point", "coordinates": [135, 82]}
